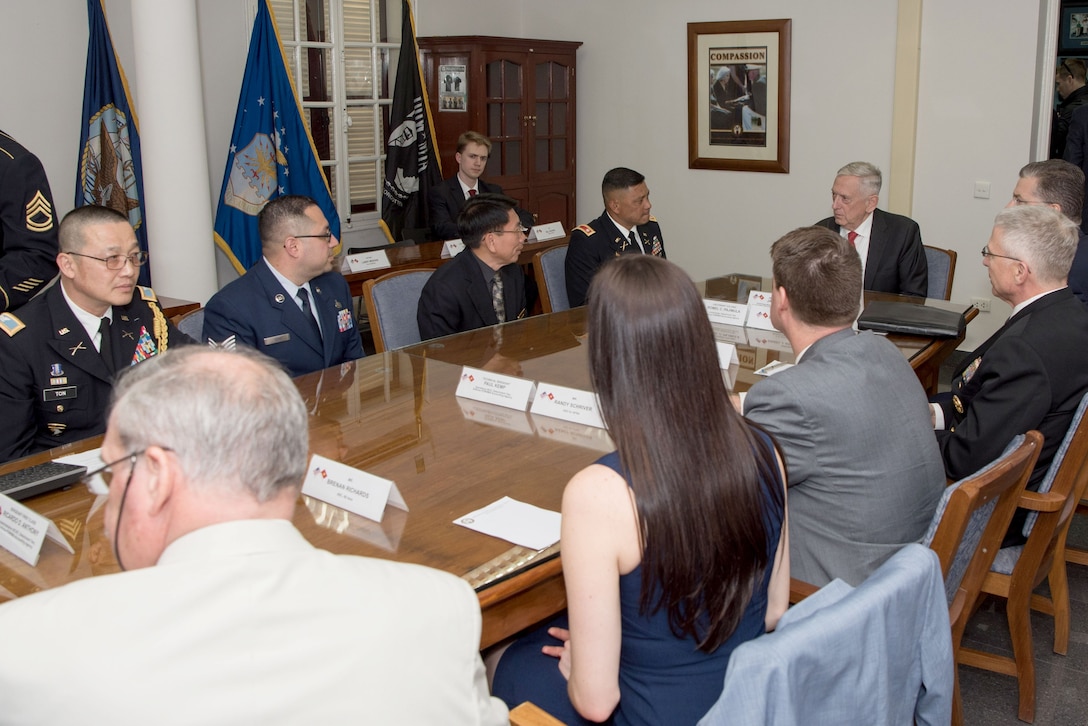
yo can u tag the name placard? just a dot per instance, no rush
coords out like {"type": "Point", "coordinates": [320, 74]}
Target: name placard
{"type": "Point", "coordinates": [22, 531]}
{"type": "Point", "coordinates": [495, 388]}
{"type": "Point", "coordinates": [759, 310]}
{"type": "Point", "coordinates": [725, 313]}
{"type": "Point", "coordinates": [363, 261]}
{"type": "Point", "coordinates": [545, 232]}
{"type": "Point", "coordinates": [348, 488]}
{"type": "Point", "coordinates": [770, 339]}
{"type": "Point", "coordinates": [727, 355]}
{"type": "Point", "coordinates": [569, 404]}
{"type": "Point", "coordinates": [452, 247]}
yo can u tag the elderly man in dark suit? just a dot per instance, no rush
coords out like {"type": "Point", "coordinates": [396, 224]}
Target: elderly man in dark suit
{"type": "Point", "coordinates": [1030, 374]}
{"type": "Point", "coordinates": [446, 200]}
{"type": "Point", "coordinates": [483, 285]}
{"type": "Point", "coordinates": [890, 245]}
{"type": "Point", "coordinates": [850, 418]}
{"type": "Point", "coordinates": [291, 305]}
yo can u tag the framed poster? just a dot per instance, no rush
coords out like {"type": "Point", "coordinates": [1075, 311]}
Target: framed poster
{"type": "Point", "coordinates": [452, 88]}
{"type": "Point", "coordinates": [1073, 34]}
{"type": "Point", "coordinates": [739, 95]}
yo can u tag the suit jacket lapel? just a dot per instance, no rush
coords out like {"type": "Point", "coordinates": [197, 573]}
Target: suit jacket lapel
{"type": "Point", "coordinates": [291, 314]}
{"type": "Point", "coordinates": [479, 291]}
{"type": "Point", "coordinates": [876, 249]}
{"type": "Point", "coordinates": [616, 241]}
{"type": "Point", "coordinates": [70, 340]}
{"type": "Point", "coordinates": [326, 306]}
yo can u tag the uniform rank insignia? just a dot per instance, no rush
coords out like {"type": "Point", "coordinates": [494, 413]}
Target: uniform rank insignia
{"type": "Point", "coordinates": [11, 324]}
{"type": "Point", "coordinates": [39, 214]}
{"type": "Point", "coordinates": [344, 321]}
{"type": "Point", "coordinates": [957, 404]}
{"type": "Point", "coordinates": [586, 230]}
{"type": "Point", "coordinates": [145, 347]}
{"type": "Point", "coordinates": [229, 343]}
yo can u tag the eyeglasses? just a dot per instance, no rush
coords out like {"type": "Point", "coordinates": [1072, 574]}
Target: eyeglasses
{"type": "Point", "coordinates": [1020, 201]}
{"type": "Point", "coordinates": [986, 253]}
{"type": "Point", "coordinates": [519, 230]}
{"type": "Point", "coordinates": [117, 262]}
{"type": "Point", "coordinates": [327, 236]}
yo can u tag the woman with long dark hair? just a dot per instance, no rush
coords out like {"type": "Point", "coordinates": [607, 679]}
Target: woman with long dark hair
{"type": "Point", "coordinates": [674, 546]}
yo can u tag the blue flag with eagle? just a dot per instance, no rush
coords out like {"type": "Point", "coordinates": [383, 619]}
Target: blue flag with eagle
{"type": "Point", "coordinates": [271, 152]}
{"type": "Point", "coordinates": [109, 172]}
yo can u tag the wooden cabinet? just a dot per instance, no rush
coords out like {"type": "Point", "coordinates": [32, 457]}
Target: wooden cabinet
{"type": "Point", "coordinates": [520, 94]}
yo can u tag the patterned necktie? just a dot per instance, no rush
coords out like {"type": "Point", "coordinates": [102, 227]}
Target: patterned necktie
{"type": "Point", "coordinates": [308, 311]}
{"type": "Point", "coordinates": [852, 236]}
{"type": "Point", "coordinates": [105, 346]}
{"type": "Point", "coordinates": [497, 300]}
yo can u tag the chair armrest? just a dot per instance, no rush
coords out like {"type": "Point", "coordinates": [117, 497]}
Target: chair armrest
{"type": "Point", "coordinates": [799, 590]}
{"type": "Point", "coordinates": [529, 714]}
{"type": "Point", "coordinates": [1049, 502]}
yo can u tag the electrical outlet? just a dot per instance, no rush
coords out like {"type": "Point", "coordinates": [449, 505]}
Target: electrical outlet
{"type": "Point", "coordinates": [982, 190]}
{"type": "Point", "coordinates": [982, 303]}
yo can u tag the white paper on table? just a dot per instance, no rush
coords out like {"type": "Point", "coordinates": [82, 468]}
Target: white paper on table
{"type": "Point", "coordinates": [514, 521]}
{"type": "Point", "coordinates": [92, 460]}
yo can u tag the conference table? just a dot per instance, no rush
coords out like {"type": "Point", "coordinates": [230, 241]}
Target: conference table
{"type": "Point", "coordinates": [396, 415]}
{"type": "Point", "coordinates": [429, 255]}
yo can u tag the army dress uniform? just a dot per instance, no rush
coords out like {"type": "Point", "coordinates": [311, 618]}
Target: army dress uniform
{"type": "Point", "coordinates": [593, 244]}
{"type": "Point", "coordinates": [28, 226]}
{"type": "Point", "coordinates": [55, 386]}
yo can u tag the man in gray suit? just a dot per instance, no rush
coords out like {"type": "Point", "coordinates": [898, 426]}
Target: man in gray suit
{"type": "Point", "coordinates": [851, 419]}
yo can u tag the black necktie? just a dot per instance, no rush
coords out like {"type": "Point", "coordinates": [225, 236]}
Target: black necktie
{"type": "Point", "coordinates": [105, 345]}
{"type": "Point", "coordinates": [634, 241]}
{"type": "Point", "coordinates": [304, 298]}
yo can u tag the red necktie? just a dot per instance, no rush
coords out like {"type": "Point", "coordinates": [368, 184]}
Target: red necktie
{"type": "Point", "coordinates": [471, 193]}
{"type": "Point", "coordinates": [852, 236]}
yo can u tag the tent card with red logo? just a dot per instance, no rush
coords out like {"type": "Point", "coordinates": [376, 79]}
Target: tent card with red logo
{"type": "Point", "coordinates": [569, 404]}
{"type": "Point", "coordinates": [495, 388]}
{"type": "Point", "coordinates": [22, 531]}
{"type": "Point", "coordinates": [356, 491]}
{"type": "Point", "coordinates": [759, 310]}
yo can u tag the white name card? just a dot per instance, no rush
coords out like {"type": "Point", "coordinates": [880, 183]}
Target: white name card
{"type": "Point", "coordinates": [759, 310]}
{"type": "Point", "coordinates": [356, 491]}
{"type": "Point", "coordinates": [726, 313]}
{"type": "Point", "coordinates": [545, 232]}
{"type": "Point", "coordinates": [363, 261]}
{"type": "Point", "coordinates": [452, 248]}
{"type": "Point", "coordinates": [727, 355]}
{"type": "Point", "coordinates": [22, 531]}
{"type": "Point", "coordinates": [495, 388]}
{"type": "Point", "coordinates": [569, 404]}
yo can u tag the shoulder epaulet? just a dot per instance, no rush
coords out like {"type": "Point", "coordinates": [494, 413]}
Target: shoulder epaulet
{"type": "Point", "coordinates": [586, 230]}
{"type": "Point", "coordinates": [11, 324]}
{"type": "Point", "coordinates": [653, 218]}
{"type": "Point", "coordinates": [146, 293]}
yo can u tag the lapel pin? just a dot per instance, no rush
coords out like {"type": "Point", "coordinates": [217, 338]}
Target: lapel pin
{"type": "Point", "coordinates": [279, 298]}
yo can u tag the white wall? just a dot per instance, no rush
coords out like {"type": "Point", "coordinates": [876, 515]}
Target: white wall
{"type": "Point", "coordinates": [974, 124]}
{"type": "Point", "coordinates": [975, 109]}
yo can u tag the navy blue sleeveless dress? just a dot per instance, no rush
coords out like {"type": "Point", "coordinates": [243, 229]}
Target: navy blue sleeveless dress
{"type": "Point", "coordinates": [663, 679]}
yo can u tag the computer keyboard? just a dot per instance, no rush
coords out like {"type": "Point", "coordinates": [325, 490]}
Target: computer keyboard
{"type": "Point", "coordinates": [39, 479]}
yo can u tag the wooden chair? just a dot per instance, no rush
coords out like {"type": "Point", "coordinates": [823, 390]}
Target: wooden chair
{"type": "Point", "coordinates": [1016, 571]}
{"type": "Point", "coordinates": [967, 528]}
{"type": "Point", "coordinates": [529, 714]}
{"type": "Point", "coordinates": [1075, 555]}
{"type": "Point", "coordinates": [549, 269]}
{"type": "Point", "coordinates": [966, 531]}
{"type": "Point", "coordinates": [391, 301]}
{"type": "Point", "coordinates": [942, 268]}
{"type": "Point", "coordinates": [192, 324]}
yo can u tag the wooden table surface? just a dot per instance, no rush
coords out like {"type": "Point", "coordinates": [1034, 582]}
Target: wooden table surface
{"type": "Point", "coordinates": [395, 415]}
